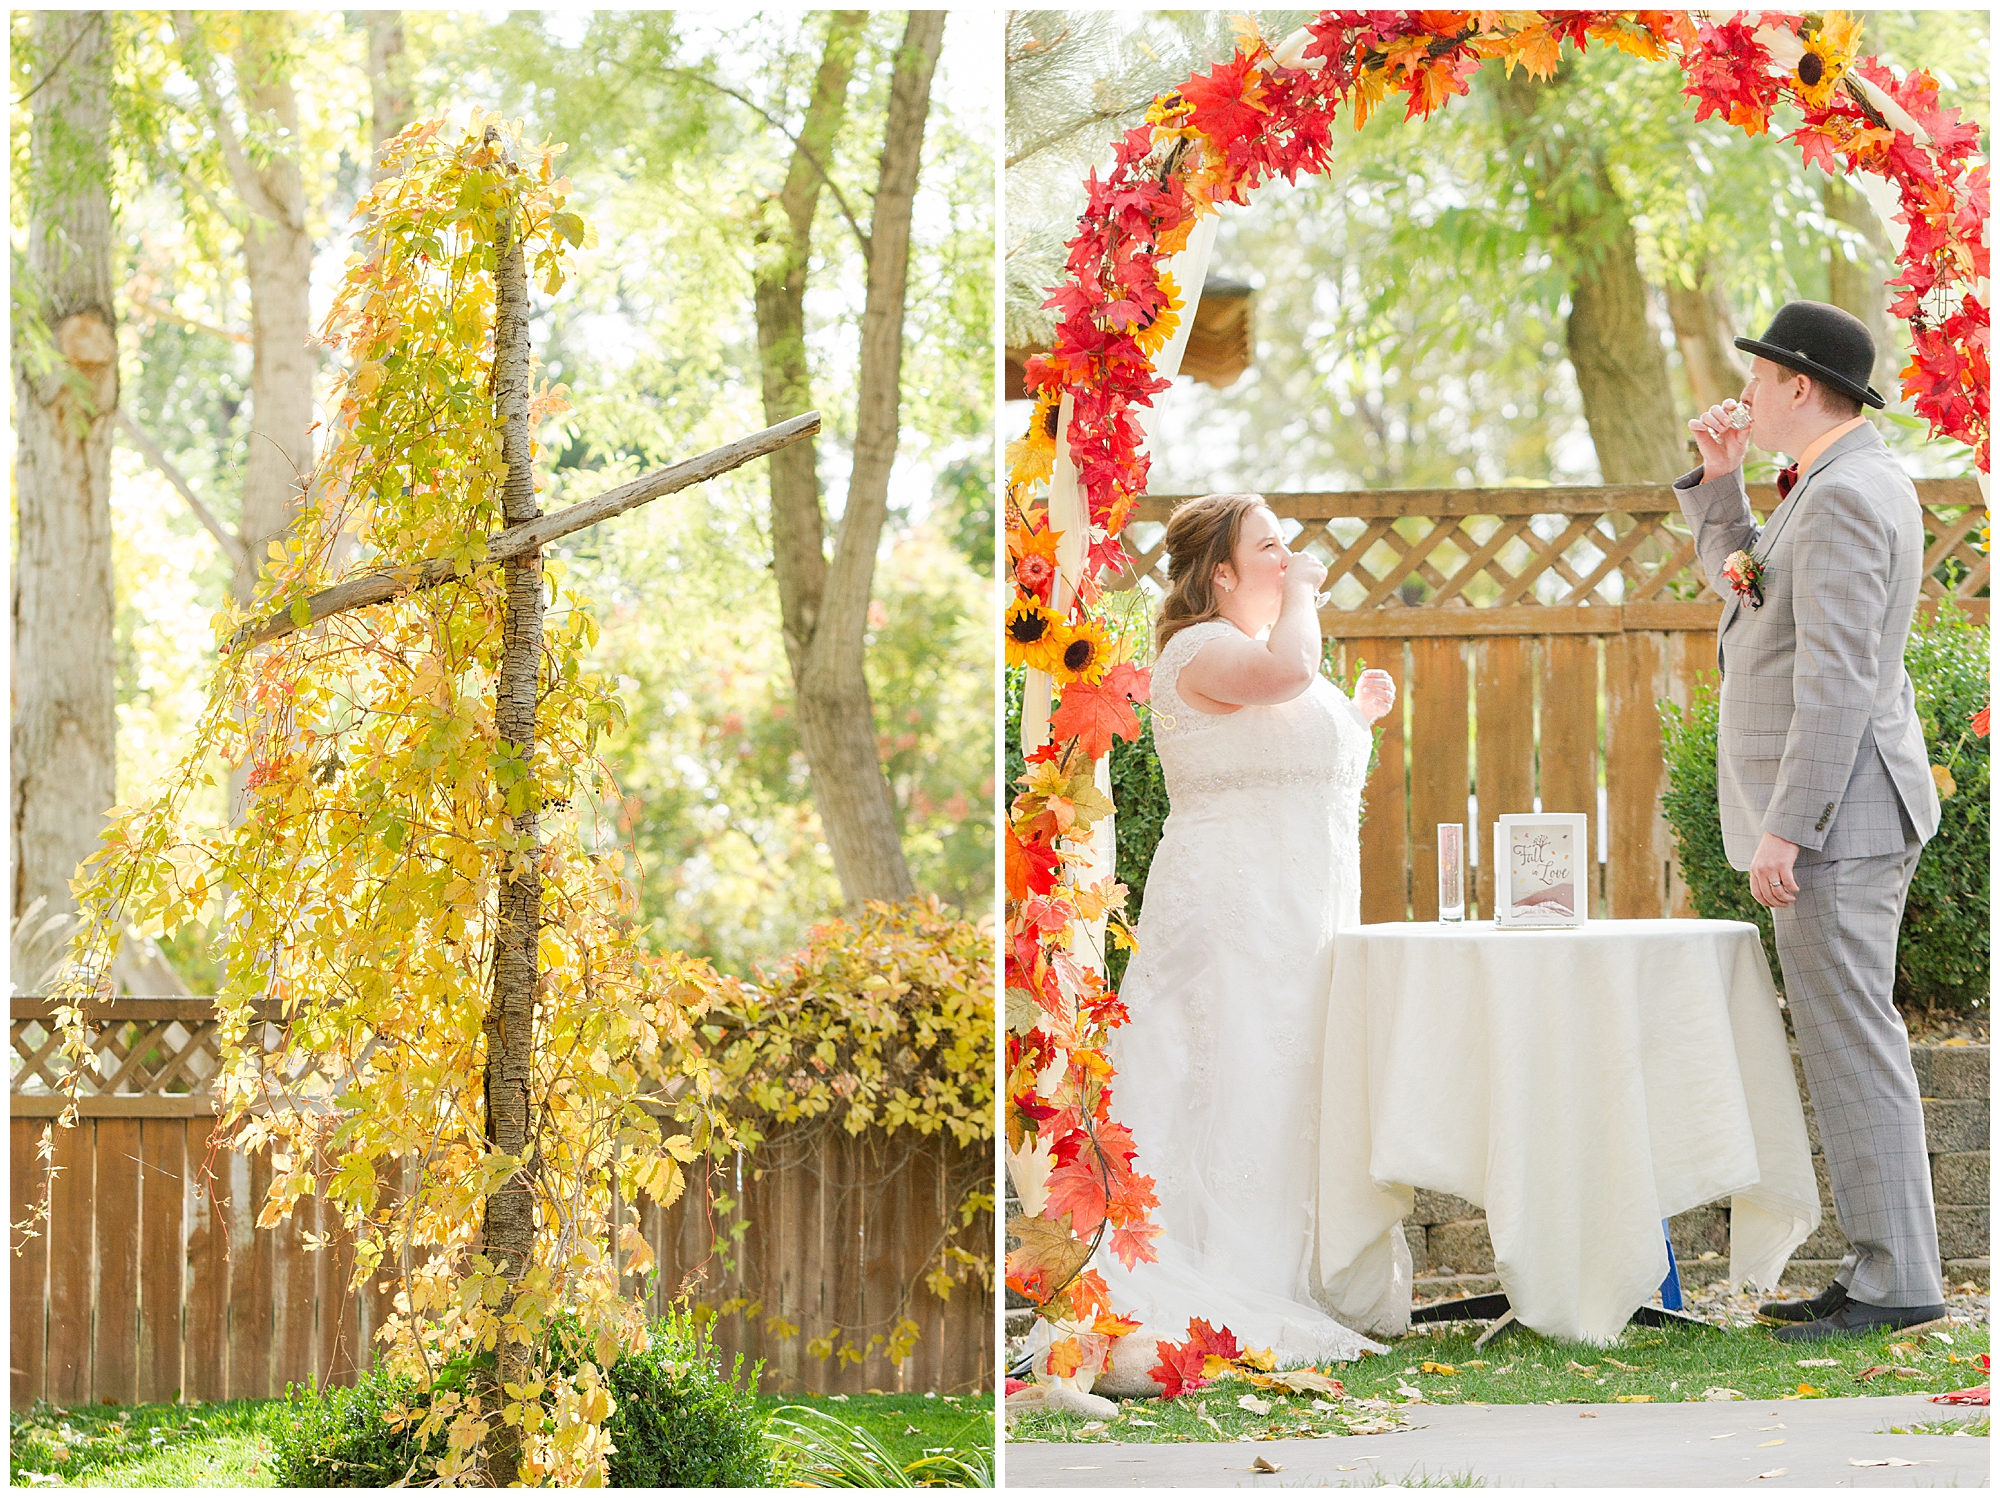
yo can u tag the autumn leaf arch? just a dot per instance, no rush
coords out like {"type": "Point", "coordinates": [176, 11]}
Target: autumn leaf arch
{"type": "Point", "coordinates": [1077, 473]}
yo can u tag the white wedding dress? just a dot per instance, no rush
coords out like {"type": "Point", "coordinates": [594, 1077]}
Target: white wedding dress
{"type": "Point", "coordinates": [1218, 1071]}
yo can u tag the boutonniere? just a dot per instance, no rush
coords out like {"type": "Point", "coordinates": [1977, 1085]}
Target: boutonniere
{"type": "Point", "coordinates": [1745, 573]}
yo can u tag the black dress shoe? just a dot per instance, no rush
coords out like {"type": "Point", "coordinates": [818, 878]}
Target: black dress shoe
{"type": "Point", "coordinates": [1820, 1305]}
{"type": "Point", "coordinates": [1854, 1318]}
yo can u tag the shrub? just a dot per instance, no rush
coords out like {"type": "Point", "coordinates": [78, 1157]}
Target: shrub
{"type": "Point", "coordinates": [1944, 959]}
{"type": "Point", "coordinates": [340, 1437]}
{"type": "Point", "coordinates": [679, 1421]}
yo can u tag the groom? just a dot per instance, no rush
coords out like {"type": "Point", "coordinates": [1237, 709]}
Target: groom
{"type": "Point", "coordinates": [1823, 778]}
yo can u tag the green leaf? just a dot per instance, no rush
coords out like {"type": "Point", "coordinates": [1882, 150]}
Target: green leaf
{"type": "Point", "coordinates": [301, 611]}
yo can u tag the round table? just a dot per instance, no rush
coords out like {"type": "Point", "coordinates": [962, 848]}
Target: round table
{"type": "Point", "coordinates": [1580, 1084]}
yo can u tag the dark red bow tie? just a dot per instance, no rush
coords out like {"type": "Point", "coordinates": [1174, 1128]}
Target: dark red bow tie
{"type": "Point", "coordinates": [1786, 479]}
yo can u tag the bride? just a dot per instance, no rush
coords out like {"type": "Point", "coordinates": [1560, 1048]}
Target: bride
{"type": "Point", "coordinates": [1257, 868]}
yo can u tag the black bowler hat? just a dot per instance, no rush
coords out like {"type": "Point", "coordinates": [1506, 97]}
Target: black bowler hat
{"type": "Point", "coordinates": [1820, 340]}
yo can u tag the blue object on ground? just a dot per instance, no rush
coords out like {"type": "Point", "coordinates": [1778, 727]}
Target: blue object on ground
{"type": "Point", "coordinates": [1670, 1287]}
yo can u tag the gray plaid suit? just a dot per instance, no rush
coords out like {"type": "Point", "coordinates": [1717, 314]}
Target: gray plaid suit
{"type": "Point", "coordinates": [1820, 744]}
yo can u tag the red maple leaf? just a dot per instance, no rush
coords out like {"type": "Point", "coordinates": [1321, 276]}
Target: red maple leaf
{"type": "Point", "coordinates": [1178, 1371]}
{"type": "Point", "coordinates": [1214, 1342]}
{"type": "Point", "coordinates": [1078, 1189]}
{"type": "Point", "coordinates": [1224, 105]}
{"type": "Point", "coordinates": [1134, 1245]}
{"type": "Point", "coordinates": [1133, 683]}
{"type": "Point", "coordinates": [1031, 868]}
{"type": "Point", "coordinates": [1818, 146]}
{"type": "Point", "coordinates": [1092, 715]}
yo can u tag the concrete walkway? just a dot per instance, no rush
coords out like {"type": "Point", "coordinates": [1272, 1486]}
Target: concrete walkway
{"type": "Point", "coordinates": [1570, 1445]}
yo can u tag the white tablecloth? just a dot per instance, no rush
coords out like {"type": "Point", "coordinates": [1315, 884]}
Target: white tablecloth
{"type": "Point", "coordinates": [1580, 1085]}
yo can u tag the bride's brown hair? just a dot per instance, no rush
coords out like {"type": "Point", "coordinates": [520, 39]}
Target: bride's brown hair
{"type": "Point", "coordinates": [1201, 535]}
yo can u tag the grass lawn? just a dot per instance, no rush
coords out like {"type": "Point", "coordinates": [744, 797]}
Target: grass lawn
{"type": "Point", "coordinates": [147, 1446]}
{"type": "Point", "coordinates": [910, 1425]}
{"type": "Point", "coordinates": [230, 1445]}
{"type": "Point", "coordinates": [1437, 1365]}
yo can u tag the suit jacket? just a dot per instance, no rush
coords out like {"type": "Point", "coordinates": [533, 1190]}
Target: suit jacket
{"type": "Point", "coordinates": [1820, 741]}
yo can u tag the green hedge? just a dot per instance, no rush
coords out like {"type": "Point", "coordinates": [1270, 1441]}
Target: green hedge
{"type": "Point", "coordinates": [1944, 960]}
{"type": "Point", "coordinates": [680, 1422]}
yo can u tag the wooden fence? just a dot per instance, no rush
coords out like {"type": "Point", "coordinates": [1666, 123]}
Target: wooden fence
{"type": "Point", "coordinates": [1531, 633]}
{"type": "Point", "coordinates": [150, 1281]}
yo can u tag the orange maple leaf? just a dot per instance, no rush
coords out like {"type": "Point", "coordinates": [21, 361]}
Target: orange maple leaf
{"type": "Point", "coordinates": [1065, 1357]}
{"type": "Point", "coordinates": [1093, 715]}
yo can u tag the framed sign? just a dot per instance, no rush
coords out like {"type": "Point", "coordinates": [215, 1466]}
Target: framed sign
{"type": "Point", "coordinates": [1541, 869]}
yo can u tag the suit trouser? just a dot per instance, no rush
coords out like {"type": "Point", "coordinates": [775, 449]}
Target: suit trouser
{"type": "Point", "coordinates": [1837, 945]}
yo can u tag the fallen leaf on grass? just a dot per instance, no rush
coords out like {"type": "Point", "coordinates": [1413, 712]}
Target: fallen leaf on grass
{"type": "Point", "coordinates": [1083, 1430]}
{"type": "Point", "coordinates": [1718, 1395]}
{"type": "Point", "coordinates": [1869, 1375]}
{"type": "Point", "coordinates": [1377, 1427]}
{"type": "Point", "coordinates": [1408, 1394]}
{"type": "Point", "coordinates": [1628, 1367]}
{"type": "Point", "coordinates": [1944, 1337]}
{"type": "Point", "coordinates": [1261, 1465]}
{"type": "Point", "coordinates": [1135, 1420]}
{"type": "Point", "coordinates": [1576, 1367]}
{"type": "Point", "coordinates": [1817, 1363]}
{"type": "Point", "coordinates": [1472, 1365]}
{"type": "Point", "coordinates": [1775, 1472]}
{"type": "Point", "coordinates": [1301, 1381]}
{"type": "Point", "coordinates": [1254, 1405]}
{"type": "Point", "coordinates": [1321, 1404]}
{"type": "Point", "coordinates": [1878, 1461]}
{"type": "Point", "coordinates": [1635, 1399]}
{"type": "Point", "coordinates": [1439, 1368]}
{"type": "Point", "coordinates": [1902, 1349]}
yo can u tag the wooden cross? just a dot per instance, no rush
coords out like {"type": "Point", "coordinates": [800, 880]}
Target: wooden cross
{"type": "Point", "coordinates": [507, 1234]}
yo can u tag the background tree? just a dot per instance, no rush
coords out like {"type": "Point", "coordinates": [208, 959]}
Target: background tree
{"type": "Point", "coordinates": [698, 138]}
{"type": "Point", "coordinates": [65, 403]}
{"type": "Point", "coordinates": [733, 858]}
{"type": "Point", "coordinates": [1459, 367]}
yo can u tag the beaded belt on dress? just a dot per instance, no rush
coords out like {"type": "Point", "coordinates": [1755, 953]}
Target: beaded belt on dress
{"type": "Point", "coordinates": [1233, 780]}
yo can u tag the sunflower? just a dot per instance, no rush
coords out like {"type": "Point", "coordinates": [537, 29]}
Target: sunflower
{"type": "Point", "coordinates": [1032, 458]}
{"type": "Point", "coordinates": [1828, 50]}
{"type": "Point", "coordinates": [1085, 654]}
{"type": "Point", "coordinates": [1156, 334]}
{"type": "Point", "coordinates": [1035, 636]}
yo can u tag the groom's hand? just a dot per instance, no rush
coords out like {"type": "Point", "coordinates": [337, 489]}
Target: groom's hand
{"type": "Point", "coordinates": [1722, 446]}
{"type": "Point", "coordinates": [1771, 881]}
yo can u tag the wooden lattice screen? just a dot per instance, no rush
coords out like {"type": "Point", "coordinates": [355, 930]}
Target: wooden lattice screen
{"type": "Point", "coordinates": [1531, 633]}
{"type": "Point", "coordinates": [151, 1279]}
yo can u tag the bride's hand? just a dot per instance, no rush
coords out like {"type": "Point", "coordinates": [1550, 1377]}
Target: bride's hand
{"type": "Point", "coordinates": [1375, 694]}
{"type": "Point", "coordinates": [1305, 571]}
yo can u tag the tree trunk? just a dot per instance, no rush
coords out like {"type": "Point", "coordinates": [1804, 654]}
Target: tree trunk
{"type": "Point", "coordinates": [823, 616]}
{"type": "Point", "coordinates": [388, 82]}
{"type": "Point", "coordinates": [1621, 369]}
{"type": "Point", "coordinates": [1860, 286]}
{"type": "Point", "coordinates": [836, 717]}
{"type": "Point", "coordinates": [508, 1233]}
{"type": "Point", "coordinates": [64, 669]}
{"type": "Point", "coordinates": [277, 253]}
{"type": "Point", "coordinates": [1705, 333]}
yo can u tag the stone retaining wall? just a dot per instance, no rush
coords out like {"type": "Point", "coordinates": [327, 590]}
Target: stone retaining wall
{"type": "Point", "coordinates": [1453, 1255]}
